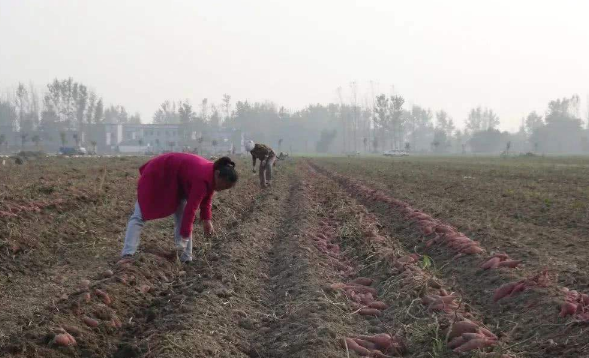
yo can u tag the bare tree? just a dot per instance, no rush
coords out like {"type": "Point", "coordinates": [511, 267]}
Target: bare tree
{"type": "Point", "coordinates": [227, 106]}
{"type": "Point", "coordinates": [37, 140]}
{"type": "Point", "coordinates": [23, 140]}
{"type": "Point", "coordinates": [63, 137]}
{"type": "Point", "coordinates": [354, 98]}
{"type": "Point", "coordinates": [204, 109]}
{"type": "Point", "coordinates": [342, 116]}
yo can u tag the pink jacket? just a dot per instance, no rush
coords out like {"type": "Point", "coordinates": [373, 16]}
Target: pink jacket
{"type": "Point", "coordinates": [167, 179]}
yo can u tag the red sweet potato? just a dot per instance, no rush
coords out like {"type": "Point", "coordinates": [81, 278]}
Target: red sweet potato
{"type": "Point", "coordinates": [378, 305]}
{"type": "Point", "coordinates": [458, 328]}
{"type": "Point", "coordinates": [470, 336]}
{"type": "Point", "coordinates": [456, 342]}
{"type": "Point", "coordinates": [361, 289]}
{"type": "Point", "coordinates": [491, 263]}
{"type": "Point", "coordinates": [369, 312]}
{"type": "Point", "coordinates": [355, 347]}
{"type": "Point", "coordinates": [567, 308]}
{"type": "Point", "coordinates": [90, 321]}
{"type": "Point", "coordinates": [64, 340]}
{"type": "Point", "coordinates": [472, 250]}
{"type": "Point", "coordinates": [103, 296]}
{"type": "Point", "coordinates": [510, 263]}
{"type": "Point", "coordinates": [487, 333]}
{"type": "Point", "coordinates": [474, 344]}
{"type": "Point", "coordinates": [503, 291]}
{"type": "Point", "coordinates": [519, 287]}
{"type": "Point", "coordinates": [383, 341]}
{"type": "Point", "coordinates": [365, 344]}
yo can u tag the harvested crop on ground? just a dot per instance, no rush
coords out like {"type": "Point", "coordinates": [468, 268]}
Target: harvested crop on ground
{"type": "Point", "coordinates": [321, 264]}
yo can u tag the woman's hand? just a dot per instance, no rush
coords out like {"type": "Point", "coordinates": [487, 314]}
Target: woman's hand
{"type": "Point", "coordinates": [208, 228]}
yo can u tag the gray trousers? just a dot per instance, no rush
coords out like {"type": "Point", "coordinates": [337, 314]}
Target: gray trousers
{"type": "Point", "coordinates": [136, 223]}
{"type": "Point", "coordinates": [266, 171]}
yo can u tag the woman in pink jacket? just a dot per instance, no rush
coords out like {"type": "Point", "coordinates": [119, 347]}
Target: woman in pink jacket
{"type": "Point", "coordinates": [178, 184]}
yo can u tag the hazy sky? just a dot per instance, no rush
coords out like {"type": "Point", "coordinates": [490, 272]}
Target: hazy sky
{"type": "Point", "coordinates": [513, 56]}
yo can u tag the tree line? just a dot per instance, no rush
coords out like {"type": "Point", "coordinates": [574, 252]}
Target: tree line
{"type": "Point", "coordinates": [353, 123]}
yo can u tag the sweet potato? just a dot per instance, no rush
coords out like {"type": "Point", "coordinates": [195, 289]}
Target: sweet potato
{"type": "Point", "coordinates": [369, 312]}
{"type": "Point", "coordinates": [474, 344]}
{"type": "Point", "coordinates": [365, 344]}
{"type": "Point", "coordinates": [519, 287]}
{"type": "Point", "coordinates": [472, 250]}
{"type": "Point", "coordinates": [378, 305]}
{"type": "Point", "coordinates": [456, 342]}
{"type": "Point", "coordinates": [567, 308]}
{"type": "Point", "coordinates": [103, 296]}
{"type": "Point", "coordinates": [355, 347]}
{"type": "Point", "coordinates": [337, 286]}
{"type": "Point", "coordinates": [491, 263]}
{"type": "Point", "coordinates": [510, 263]}
{"type": "Point", "coordinates": [470, 336]}
{"type": "Point", "coordinates": [90, 322]}
{"type": "Point", "coordinates": [115, 322]}
{"type": "Point", "coordinates": [363, 281]}
{"type": "Point", "coordinates": [361, 289]}
{"type": "Point", "coordinates": [383, 341]}
{"type": "Point", "coordinates": [458, 328]}
{"type": "Point", "coordinates": [64, 340]}
{"type": "Point", "coordinates": [487, 333]}
{"type": "Point", "coordinates": [444, 229]}
{"type": "Point", "coordinates": [366, 298]}
{"type": "Point", "coordinates": [427, 230]}
{"type": "Point", "coordinates": [503, 291]}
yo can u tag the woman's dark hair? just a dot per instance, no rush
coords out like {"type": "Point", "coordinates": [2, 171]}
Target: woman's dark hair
{"type": "Point", "coordinates": [226, 168]}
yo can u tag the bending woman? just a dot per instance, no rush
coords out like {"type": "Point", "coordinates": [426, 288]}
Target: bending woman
{"type": "Point", "coordinates": [178, 184]}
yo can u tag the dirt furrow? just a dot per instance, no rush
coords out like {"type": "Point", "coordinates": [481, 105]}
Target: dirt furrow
{"type": "Point", "coordinates": [301, 320]}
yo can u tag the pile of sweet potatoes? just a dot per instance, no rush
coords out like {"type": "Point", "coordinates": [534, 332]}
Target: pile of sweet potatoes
{"type": "Point", "coordinates": [513, 288]}
{"type": "Point", "coordinates": [363, 296]}
{"type": "Point", "coordinates": [444, 234]}
{"type": "Point", "coordinates": [500, 260]}
{"type": "Point", "coordinates": [576, 304]}
{"type": "Point", "coordinates": [466, 335]}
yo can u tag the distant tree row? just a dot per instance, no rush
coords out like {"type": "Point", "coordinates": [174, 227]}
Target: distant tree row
{"type": "Point", "coordinates": [356, 123]}
{"type": "Point", "coordinates": [65, 103]}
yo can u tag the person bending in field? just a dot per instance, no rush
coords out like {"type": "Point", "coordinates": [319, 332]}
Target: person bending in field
{"type": "Point", "coordinates": [267, 159]}
{"type": "Point", "coordinates": [178, 184]}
